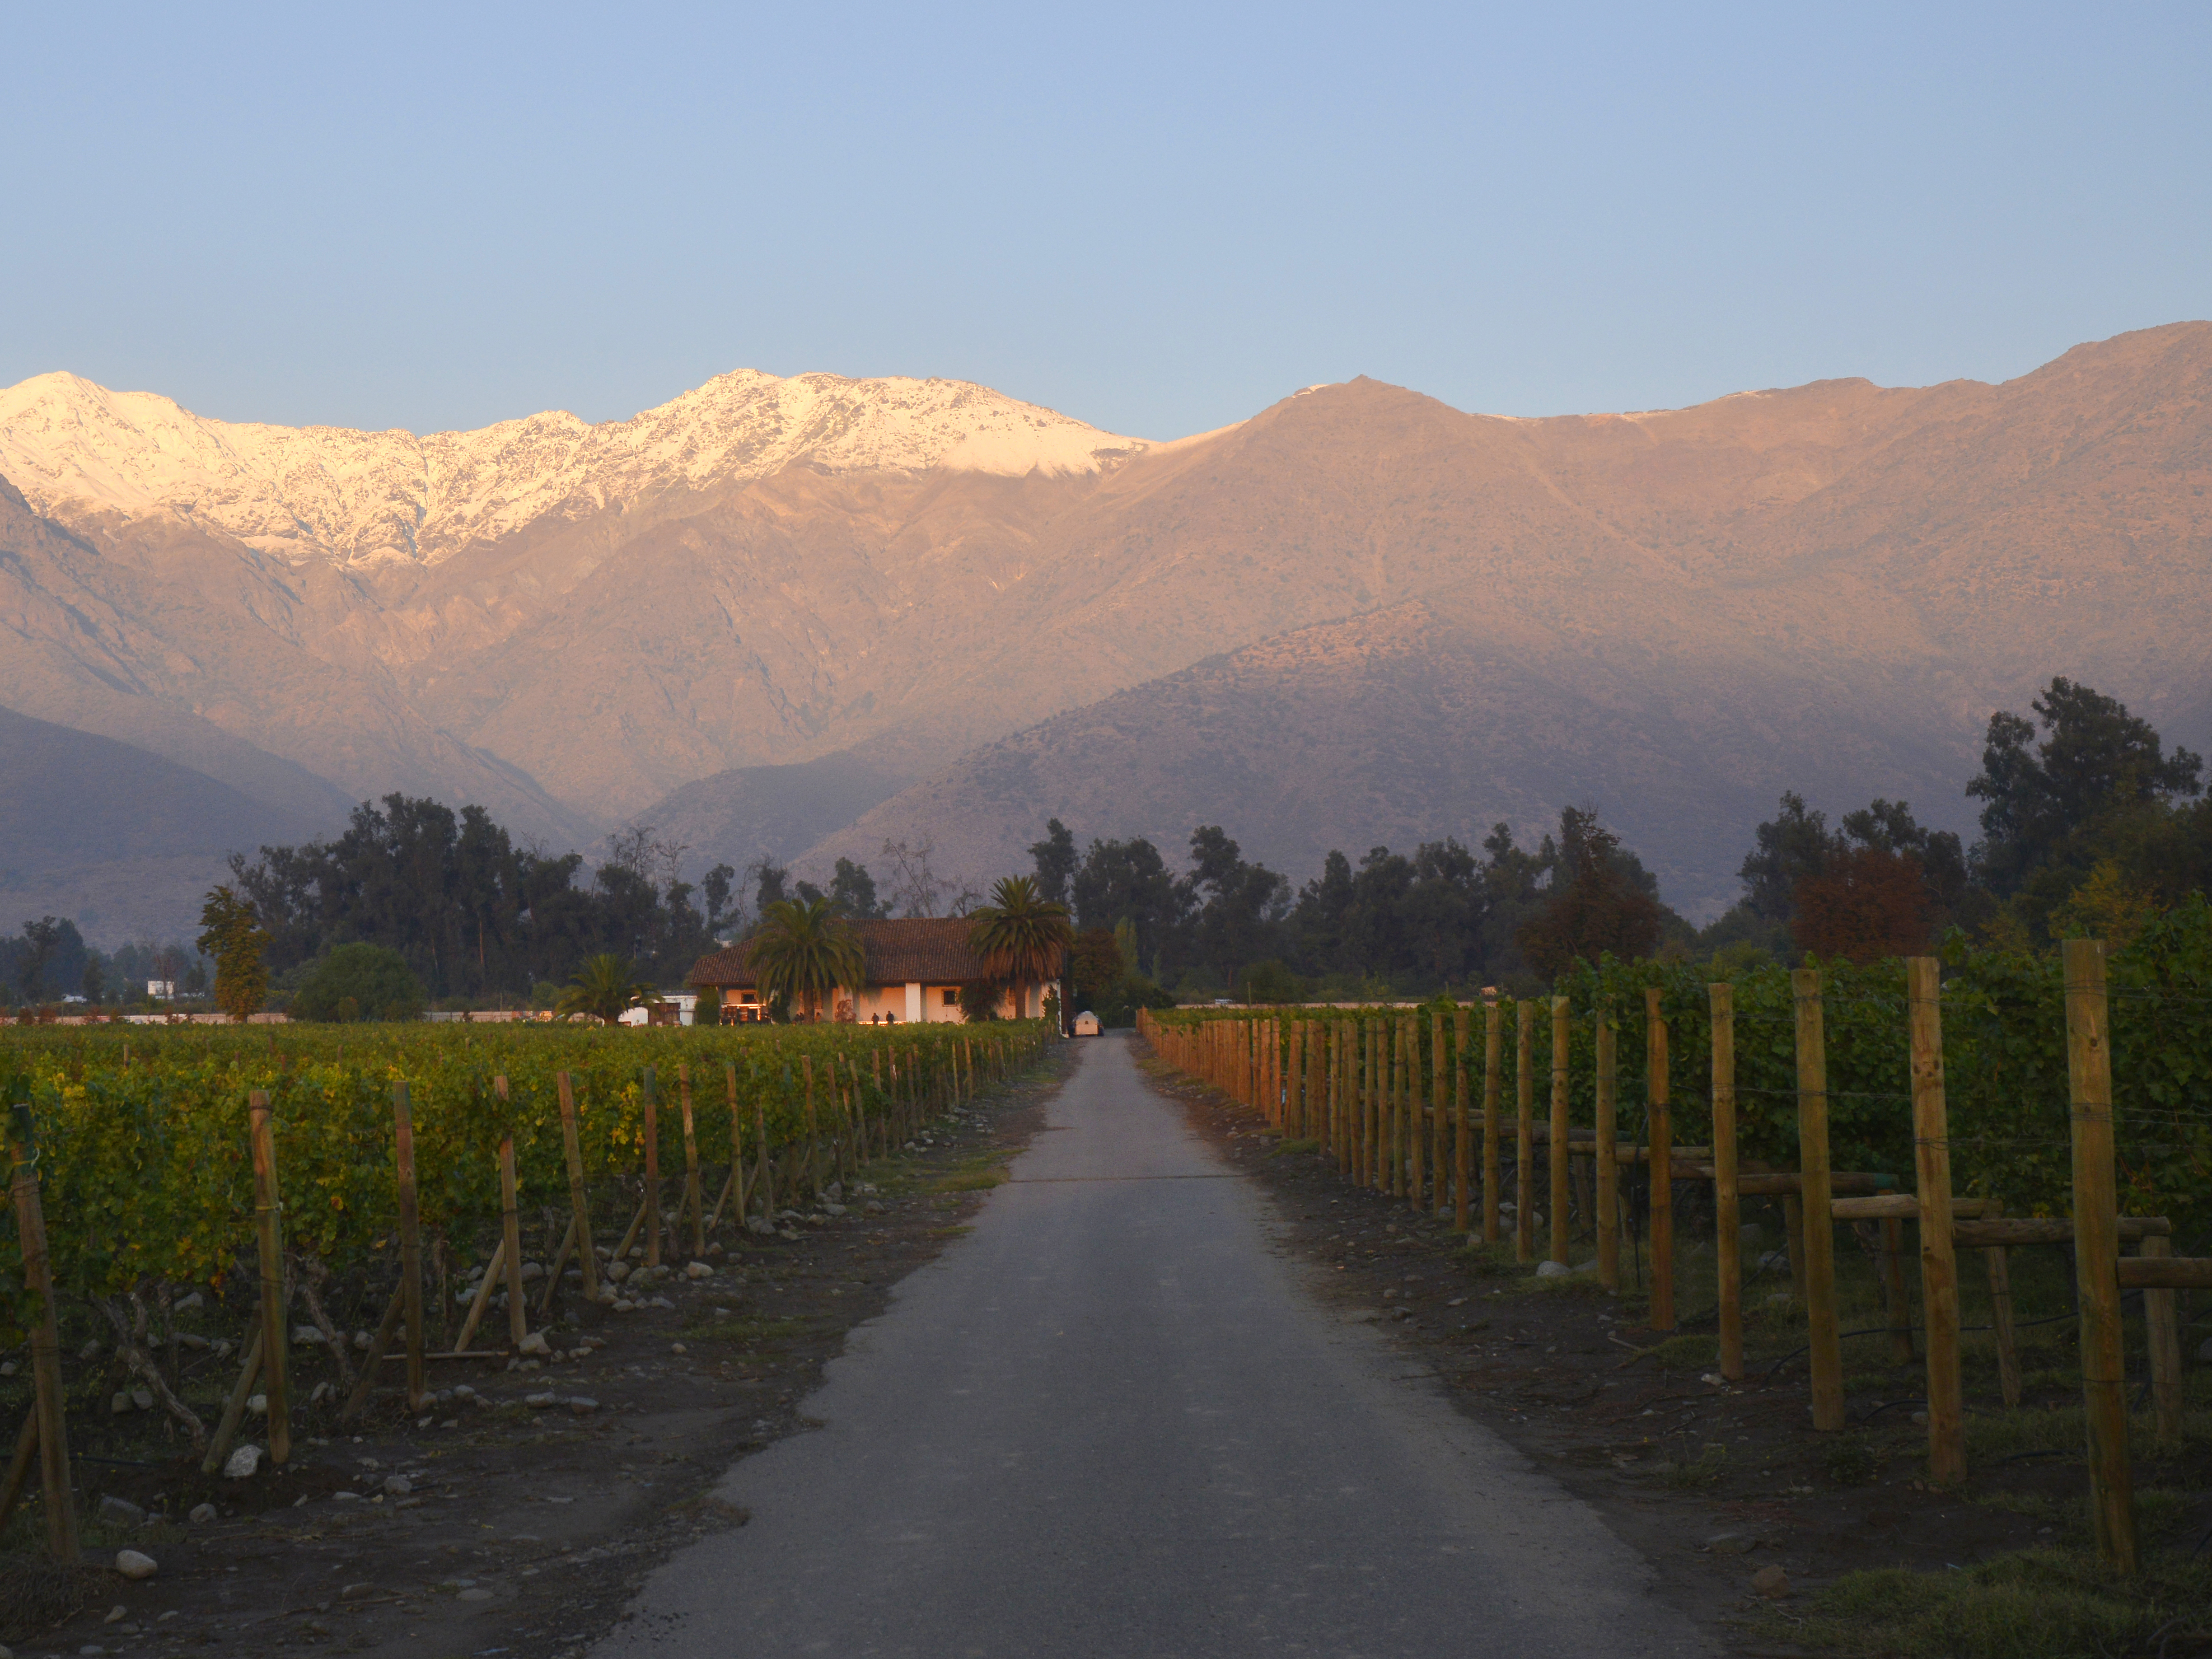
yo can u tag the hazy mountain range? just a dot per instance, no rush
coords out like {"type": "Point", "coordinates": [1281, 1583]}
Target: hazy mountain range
{"type": "Point", "coordinates": [798, 617]}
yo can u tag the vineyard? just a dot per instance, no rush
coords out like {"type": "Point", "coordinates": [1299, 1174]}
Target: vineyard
{"type": "Point", "coordinates": [1992, 1104]}
{"type": "Point", "coordinates": [295, 1185]}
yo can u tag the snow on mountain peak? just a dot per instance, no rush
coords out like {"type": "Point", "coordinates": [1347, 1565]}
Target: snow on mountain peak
{"type": "Point", "coordinates": [73, 446]}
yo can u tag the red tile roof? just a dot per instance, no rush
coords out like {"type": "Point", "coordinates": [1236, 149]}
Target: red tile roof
{"type": "Point", "coordinates": [930, 950]}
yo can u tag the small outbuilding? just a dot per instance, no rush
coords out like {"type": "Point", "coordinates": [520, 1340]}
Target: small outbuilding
{"type": "Point", "coordinates": [1086, 1024]}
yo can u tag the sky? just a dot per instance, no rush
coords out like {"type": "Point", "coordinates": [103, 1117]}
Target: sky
{"type": "Point", "coordinates": [1158, 219]}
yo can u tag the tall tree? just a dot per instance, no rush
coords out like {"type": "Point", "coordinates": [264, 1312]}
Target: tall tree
{"type": "Point", "coordinates": [1055, 858]}
{"type": "Point", "coordinates": [2095, 760]}
{"type": "Point", "coordinates": [853, 890]}
{"type": "Point", "coordinates": [1597, 908]}
{"type": "Point", "coordinates": [1021, 936]}
{"type": "Point", "coordinates": [231, 932]}
{"type": "Point", "coordinates": [803, 948]}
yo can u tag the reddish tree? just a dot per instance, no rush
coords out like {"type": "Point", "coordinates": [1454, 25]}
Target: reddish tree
{"type": "Point", "coordinates": [1596, 910]}
{"type": "Point", "coordinates": [1867, 903]}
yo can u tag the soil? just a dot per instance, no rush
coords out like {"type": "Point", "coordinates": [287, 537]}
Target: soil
{"type": "Point", "coordinates": [1569, 1378]}
{"type": "Point", "coordinates": [514, 1530]}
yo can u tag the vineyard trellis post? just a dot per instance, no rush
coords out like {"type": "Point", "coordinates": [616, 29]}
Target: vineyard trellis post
{"type": "Point", "coordinates": [1660, 1179]}
{"type": "Point", "coordinates": [1608, 1132]}
{"type": "Point", "coordinates": [1727, 1207]}
{"type": "Point", "coordinates": [1557, 1156]}
{"type": "Point", "coordinates": [1939, 1267]}
{"type": "Point", "coordinates": [1524, 1143]}
{"type": "Point", "coordinates": [268, 1219]}
{"type": "Point", "coordinates": [1494, 1103]}
{"type": "Point", "coordinates": [410, 1247]}
{"type": "Point", "coordinates": [652, 1112]}
{"type": "Point", "coordinates": [579, 1203]}
{"type": "Point", "coordinates": [49, 1420]}
{"type": "Point", "coordinates": [510, 1223]}
{"type": "Point", "coordinates": [2096, 1251]}
{"type": "Point", "coordinates": [1815, 1197]}
{"type": "Point", "coordinates": [1461, 1207]}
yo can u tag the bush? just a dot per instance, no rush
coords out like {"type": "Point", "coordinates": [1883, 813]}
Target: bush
{"type": "Point", "coordinates": [360, 981]}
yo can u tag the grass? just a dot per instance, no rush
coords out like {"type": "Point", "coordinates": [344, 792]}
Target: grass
{"type": "Point", "coordinates": [746, 1330]}
{"type": "Point", "coordinates": [969, 1180]}
{"type": "Point", "coordinates": [1282, 1147]}
{"type": "Point", "coordinates": [1704, 1470]}
{"type": "Point", "coordinates": [2040, 1604]}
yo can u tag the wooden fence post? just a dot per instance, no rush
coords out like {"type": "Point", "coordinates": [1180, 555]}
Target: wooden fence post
{"type": "Point", "coordinates": [1556, 1163]}
{"type": "Point", "coordinates": [1660, 1171]}
{"type": "Point", "coordinates": [1462, 1207]}
{"type": "Point", "coordinates": [1439, 1119]}
{"type": "Point", "coordinates": [1825, 1357]}
{"type": "Point", "coordinates": [1415, 1116]}
{"type": "Point", "coordinates": [1493, 1110]}
{"type": "Point", "coordinates": [1524, 1145]}
{"type": "Point", "coordinates": [1608, 1116]}
{"type": "Point", "coordinates": [693, 1197]}
{"type": "Point", "coordinates": [47, 1407]}
{"type": "Point", "coordinates": [651, 1108]}
{"type": "Point", "coordinates": [579, 1203]}
{"type": "Point", "coordinates": [1939, 1267]}
{"type": "Point", "coordinates": [410, 1246]}
{"type": "Point", "coordinates": [510, 1226]}
{"type": "Point", "coordinates": [1728, 1210]}
{"type": "Point", "coordinates": [268, 1225]}
{"type": "Point", "coordinates": [2097, 1252]}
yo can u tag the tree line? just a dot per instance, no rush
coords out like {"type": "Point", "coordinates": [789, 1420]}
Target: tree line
{"type": "Point", "coordinates": [2088, 824]}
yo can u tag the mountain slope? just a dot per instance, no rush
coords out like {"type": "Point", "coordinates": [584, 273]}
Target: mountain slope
{"type": "Point", "coordinates": [766, 573]}
{"type": "Point", "coordinates": [1416, 723]}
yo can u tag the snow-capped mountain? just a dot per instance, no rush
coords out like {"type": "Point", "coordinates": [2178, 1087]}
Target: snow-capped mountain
{"type": "Point", "coordinates": [72, 447]}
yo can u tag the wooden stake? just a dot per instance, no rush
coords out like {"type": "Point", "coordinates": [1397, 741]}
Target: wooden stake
{"type": "Point", "coordinates": [579, 1202]}
{"type": "Point", "coordinates": [1939, 1271]}
{"type": "Point", "coordinates": [1493, 1105]}
{"type": "Point", "coordinates": [1462, 1153]}
{"type": "Point", "coordinates": [269, 1225]}
{"type": "Point", "coordinates": [2162, 1327]}
{"type": "Point", "coordinates": [19, 1466]}
{"type": "Point", "coordinates": [692, 1198]}
{"type": "Point", "coordinates": [1608, 1153]}
{"type": "Point", "coordinates": [1825, 1357]}
{"type": "Point", "coordinates": [652, 1176]}
{"type": "Point", "coordinates": [394, 1312]}
{"type": "Point", "coordinates": [1411, 1114]}
{"type": "Point", "coordinates": [482, 1299]}
{"type": "Point", "coordinates": [1556, 1153]}
{"type": "Point", "coordinates": [1728, 1209]}
{"type": "Point", "coordinates": [411, 1245]}
{"type": "Point", "coordinates": [736, 1182]}
{"type": "Point", "coordinates": [2001, 1321]}
{"type": "Point", "coordinates": [510, 1233]}
{"type": "Point", "coordinates": [1661, 1172]}
{"type": "Point", "coordinates": [2096, 1252]}
{"type": "Point", "coordinates": [233, 1409]}
{"type": "Point", "coordinates": [1524, 1146]}
{"type": "Point", "coordinates": [47, 1407]}
{"type": "Point", "coordinates": [1439, 1117]}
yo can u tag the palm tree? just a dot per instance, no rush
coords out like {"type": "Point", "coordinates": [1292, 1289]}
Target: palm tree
{"type": "Point", "coordinates": [1020, 935]}
{"type": "Point", "coordinates": [803, 947]}
{"type": "Point", "coordinates": [605, 988]}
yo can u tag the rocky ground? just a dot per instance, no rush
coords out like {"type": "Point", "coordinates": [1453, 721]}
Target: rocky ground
{"type": "Point", "coordinates": [516, 1518]}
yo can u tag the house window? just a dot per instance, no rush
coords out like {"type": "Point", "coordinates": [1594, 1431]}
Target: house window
{"type": "Point", "coordinates": [951, 995]}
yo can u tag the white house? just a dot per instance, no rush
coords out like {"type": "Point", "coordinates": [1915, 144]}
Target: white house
{"type": "Point", "coordinates": [915, 969]}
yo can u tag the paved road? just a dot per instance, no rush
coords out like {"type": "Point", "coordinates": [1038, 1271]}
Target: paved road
{"type": "Point", "coordinates": [1110, 1421]}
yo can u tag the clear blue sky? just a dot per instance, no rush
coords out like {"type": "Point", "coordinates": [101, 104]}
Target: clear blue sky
{"type": "Point", "coordinates": [1159, 219]}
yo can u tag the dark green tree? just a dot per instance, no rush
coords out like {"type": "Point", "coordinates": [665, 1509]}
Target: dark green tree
{"type": "Point", "coordinates": [375, 980]}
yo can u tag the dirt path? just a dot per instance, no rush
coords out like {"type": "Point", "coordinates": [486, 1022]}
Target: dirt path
{"type": "Point", "coordinates": [1114, 1420]}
